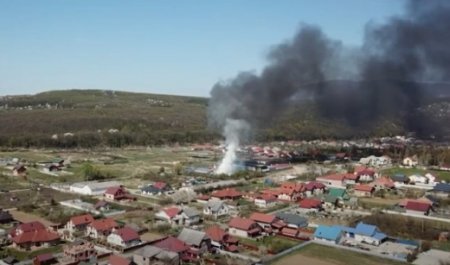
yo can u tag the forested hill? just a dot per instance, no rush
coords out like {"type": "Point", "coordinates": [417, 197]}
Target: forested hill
{"type": "Point", "coordinates": [87, 118]}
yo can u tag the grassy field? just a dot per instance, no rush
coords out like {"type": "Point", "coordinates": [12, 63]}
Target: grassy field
{"type": "Point", "coordinates": [442, 175]}
{"type": "Point", "coordinates": [314, 254]}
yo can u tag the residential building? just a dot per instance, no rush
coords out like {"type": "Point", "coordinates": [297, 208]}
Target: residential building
{"type": "Point", "coordinates": [216, 208]}
{"type": "Point", "coordinates": [5, 217]}
{"type": "Point", "coordinates": [199, 241]}
{"type": "Point", "coordinates": [178, 216]}
{"type": "Point", "coordinates": [314, 188]}
{"type": "Point", "coordinates": [119, 260]}
{"type": "Point", "coordinates": [150, 255]}
{"type": "Point", "coordinates": [79, 223]}
{"type": "Point", "coordinates": [221, 239]}
{"type": "Point", "coordinates": [44, 259]}
{"type": "Point", "coordinates": [311, 204]}
{"type": "Point", "coordinates": [33, 234]}
{"type": "Point", "coordinates": [226, 194]}
{"type": "Point", "coordinates": [267, 221]}
{"type": "Point", "coordinates": [292, 220]}
{"type": "Point", "coordinates": [363, 190]}
{"type": "Point", "coordinates": [244, 227]}
{"type": "Point", "coordinates": [124, 238]}
{"type": "Point", "coordinates": [118, 193]}
{"type": "Point", "coordinates": [265, 201]}
{"type": "Point", "coordinates": [365, 233]}
{"type": "Point", "coordinates": [410, 161]}
{"type": "Point", "coordinates": [157, 188]}
{"type": "Point", "coordinates": [173, 244]}
{"type": "Point", "coordinates": [338, 180]}
{"type": "Point", "coordinates": [417, 208]}
{"type": "Point", "coordinates": [329, 234]}
{"type": "Point", "coordinates": [79, 251]}
{"type": "Point", "coordinates": [101, 228]}
{"type": "Point", "coordinates": [441, 190]}
{"type": "Point", "coordinates": [92, 187]}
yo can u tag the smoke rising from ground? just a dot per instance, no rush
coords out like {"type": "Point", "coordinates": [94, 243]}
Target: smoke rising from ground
{"type": "Point", "coordinates": [382, 78]}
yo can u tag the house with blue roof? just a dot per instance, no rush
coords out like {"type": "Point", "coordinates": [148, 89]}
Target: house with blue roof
{"type": "Point", "coordinates": [329, 234]}
{"type": "Point", "coordinates": [365, 233]}
{"type": "Point", "coordinates": [441, 190]}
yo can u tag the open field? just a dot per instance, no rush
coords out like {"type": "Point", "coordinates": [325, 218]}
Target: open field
{"type": "Point", "coordinates": [24, 217]}
{"type": "Point", "coordinates": [314, 254]}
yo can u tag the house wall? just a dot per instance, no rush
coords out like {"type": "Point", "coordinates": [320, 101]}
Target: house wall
{"type": "Point", "coordinates": [366, 239]}
{"type": "Point", "coordinates": [360, 193]}
{"type": "Point", "coordinates": [264, 204]}
{"type": "Point", "coordinates": [414, 212]}
{"type": "Point", "coordinates": [237, 232]}
{"type": "Point", "coordinates": [116, 240]}
{"type": "Point", "coordinates": [326, 240]}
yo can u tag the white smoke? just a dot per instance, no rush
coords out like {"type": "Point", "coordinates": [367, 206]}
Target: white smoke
{"type": "Point", "coordinates": [233, 132]}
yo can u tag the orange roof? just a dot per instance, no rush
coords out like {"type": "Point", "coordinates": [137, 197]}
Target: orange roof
{"type": "Point", "coordinates": [215, 233]}
{"type": "Point", "coordinates": [262, 218]}
{"type": "Point", "coordinates": [241, 223]}
{"type": "Point", "coordinates": [172, 211]}
{"type": "Point", "coordinates": [337, 176]}
{"type": "Point", "coordinates": [298, 187]}
{"type": "Point", "coordinates": [104, 224]}
{"type": "Point", "coordinates": [82, 219]}
{"type": "Point", "coordinates": [364, 187]}
{"type": "Point", "coordinates": [226, 193]}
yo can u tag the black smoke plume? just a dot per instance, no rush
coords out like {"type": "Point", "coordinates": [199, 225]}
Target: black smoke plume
{"type": "Point", "coordinates": [389, 75]}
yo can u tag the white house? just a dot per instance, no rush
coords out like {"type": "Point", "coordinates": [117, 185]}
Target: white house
{"type": "Point", "coordinates": [124, 237]}
{"type": "Point", "coordinates": [216, 208]}
{"type": "Point", "coordinates": [178, 216]}
{"type": "Point", "coordinates": [265, 201]}
{"type": "Point", "coordinates": [92, 187]}
{"type": "Point", "coordinates": [410, 161]}
{"type": "Point", "coordinates": [376, 161]}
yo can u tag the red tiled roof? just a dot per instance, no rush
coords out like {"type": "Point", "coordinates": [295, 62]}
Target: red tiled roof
{"type": "Point", "coordinates": [337, 176]}
{"type": "Point", "coordinates": [417, 206]}
{"type": "Point", "coordinates": [36, 236]}
{"type": "Point", "coordinates": [215, 233]}
{"type": "Point", "coordinates": [309, 203]}
{"type": "Point", "coordinates": [263, 218]}
{"type": "Point", "coordinates": [403, 202]}
{"type": "Point", "coordinates": [314, 185]}
{"type": "Point", "coordinates": [104, 224]}
{"type": "Point", "coordinates": [226, 193]}
{"type": "Point", "coordinates": [127, 234]}
{"type": "Point", "coordinates": [364, 187]}
{"type": "Point", "coordinates": [31, 226]}
{"type": "Point", "coordinates": [113, 190]}
{"type": "Point", "coordinates": [289, 231]}
{"type": "Point", "coordinates": [118, 260]}
{"type": "Point", "coordinates": [364, 171]}
{"type": "Point", "coordinates": [172, 211]}
{"type": "Point", "coordinates": [172, 244]}
{"type": "Point", "coordinates": [159, 185]}
{"type": "Point", "coordinates": [385, 181]}
{"type": "Point", "coordinates": [82, 219]}
{"type": "Point", "coordinates": [298, 187]}
{"type": "Point", "coordinates": [241, 223]}
{"type": "Point", "coordinates": [203, 197]}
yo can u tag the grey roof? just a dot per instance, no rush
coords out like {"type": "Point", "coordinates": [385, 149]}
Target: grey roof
{"type": "Point", "coordinates": [192, 237]}
{"type": "Point", "coordinates": [442, 187]}
{"type": "Point", "coordinates": [156, 252]}
{"type": "Point", "coordinates": [191, 212]}
{"type": "Point", "coordinates": [294, 219]}
{"type": "Point", "coordinates": [214, 205]}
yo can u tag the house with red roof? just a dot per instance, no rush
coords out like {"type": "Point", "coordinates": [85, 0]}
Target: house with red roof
{"type": "Point", "coordinates": [314, 188]}
{"type": "Point", "coordinates": [124, 238]}
{"type": "Point", "coordinates": [33, 234]}
{"type": "Point", "coordinates": [365, 174]}
{"type": "Point", "coordinates": [244, 227]}
{"type": "Point", "coordinates": [178, 216]}
{"type": "Point", "coordinates": [226, 194]}
{"type": "Point", "coordinates": [311, 204]}
{"type": "Point", "coordinates": [101, 228]}
{"type": "Point", "coordinates": [221, 239]}
{"type": "Point", "coordinates": [336, 180]}
{"type": "Point", "coordinates": [363, 190]}
{"type": "Point", "coordinates": [118, 193]}
{"type": "Point", "coordinates": [174, 245]}
{"type": "Point", "coordinates": [417, 208]}
{"type": "Point", "coordinates": [265, 200]}
{"type": "Point", "coordinates": [79, 223]}
{"type": "Point", "coordinates": [384, 182]}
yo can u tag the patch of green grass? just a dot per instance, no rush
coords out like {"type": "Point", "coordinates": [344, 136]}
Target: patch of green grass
{"type": "Point", "coordinates": [339, 256]}
{"type": "Point", "coordinates": [25, 255]}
